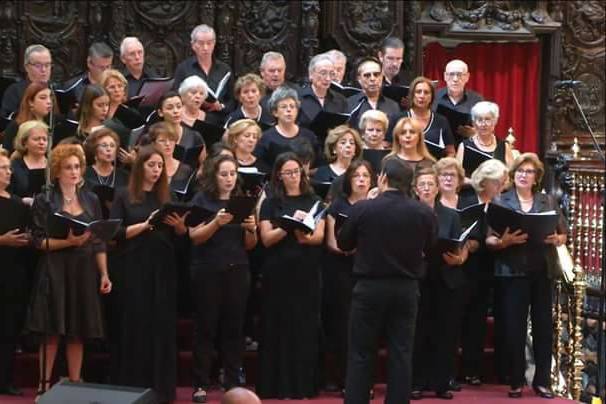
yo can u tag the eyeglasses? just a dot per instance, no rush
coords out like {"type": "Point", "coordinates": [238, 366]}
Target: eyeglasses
{"type": "Point", "coordinates": [448, 175]}
{"type": "Point", "coordinates": [367, 75]}
{"type": "Point", "coordinates": [106, 145]}
{"type": "Point", "coordinates": [325, 73]}
{"type": "Point", "coordinates": [484, 121]}
{"type": "Point", "coordinates": [530, 171]}
{"type": "Point", "coordinates": [41, 66]}
{"type": "Point", "coordinates": [290, 173]}
{"type": "Point", "coordinates": [452, 75]}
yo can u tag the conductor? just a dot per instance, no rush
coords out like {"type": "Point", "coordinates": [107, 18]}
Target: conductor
{"type": "Point", "coordinates": [391, 236]}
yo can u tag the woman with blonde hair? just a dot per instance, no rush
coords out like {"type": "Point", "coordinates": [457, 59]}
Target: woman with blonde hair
{"type": "Point", "coordinates": [343, 145]}
{"type": "Point", "coordinates": [373, 127]}
{"type": "Point", "coordinates": [242, 137]}
{"type": "Point", "coordinates": [409, 143]}
{"type": "Point", "coordinates": [116, 86]}
{"type": "Point", "coordinates": [29, 159]}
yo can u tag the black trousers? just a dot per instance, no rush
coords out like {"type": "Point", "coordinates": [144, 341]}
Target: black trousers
{"type": "Point", "coordinates": [438, 325]}
{"type": "Point", "coordinates": [7, 360]}
{"type": "Point", "coordinates": [220, 303]}
{"type": "Point", "coordinates": [473, 328]}
{"type": "Point", "coordinates": [518, 294]}
{"type": "Point", "coordinates": [388, 305]}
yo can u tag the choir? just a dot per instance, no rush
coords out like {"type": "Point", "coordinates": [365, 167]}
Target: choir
{"type": "Point", "coordinates": [228, 181]}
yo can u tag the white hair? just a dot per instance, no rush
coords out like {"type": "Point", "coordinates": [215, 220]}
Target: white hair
{"type": "Point", "coordinates": [193, 82]}
{"type": "Point", "coordinates": [267, 56]}
{"type": "Point", "coordinates": [36, 48]}
{"type": "Point", "coordinates": [484, 108]}
{"type": "Point", "coordinates": [336, 55]}
{"type": "Point", "coordinates": [322, 57]}
{"type": "Point", "coordinates": [202, 29]}
{"type": "Point", "coordinates": [128, 41]}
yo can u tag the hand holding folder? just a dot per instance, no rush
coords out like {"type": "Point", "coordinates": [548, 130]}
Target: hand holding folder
{"type": "Point", "coordinates": [537, 226]}
{"type": "Point", "coordinates": [307, 224]}
{"type": "Point", "coordinates": [61, 225]}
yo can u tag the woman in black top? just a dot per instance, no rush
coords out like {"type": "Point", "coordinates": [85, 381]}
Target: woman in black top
{"type": "Point", "coordinates": [288, 352]}
{"type": "Point", "coordinates": [248, 90]}
{"type": "Point", "coordinates": [28, 161]}
{"type": "Point", "coordinates": [147, 285]}
{"type": "Point", "coordinates": [65, 301]}
{"type": "Point", "coordinates": [435, 336]}
{"type": "Point", "coordinates": [14, 217]}
{"type": "Point", "coordinates": [243, 136]}
{"type": "Point", "coordinates": [220, 276]}
{"type": "Point", "coordinates": [338, 264]}
{"type": "Point", "coordinates": [523, 278]}
{"type": "Point", "coordinates": [343, 145]}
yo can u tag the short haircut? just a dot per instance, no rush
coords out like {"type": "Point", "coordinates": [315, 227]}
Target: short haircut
{"type": "Point", "coordinates": [376, 116]}
{"type": "Point", "coordinates": [267, 56]}
{"type": "Point", "coordinates": [166, 96]}
{"type": "Point", "coordinates": [485, 108]}
{"type": "Point", "coordinates": [451, 162]}
{"type": "Point", "coordinates": [249, 78]}
{"type": "Point", "coordinates": [392, 42]}
{"type": "Point", "coordinates": [397, 173]}
{"type": "Point", "coordinates": [114, 74]}
{"type": "Point", "coordinates": [35, 48]}
{"type": "Point", "coordinates": [192, 82]}
{"type": "Point", "coordinates": [418, 80]}
{"type": "Point", "coordinates": [280, 94]}
{"type": "Point", "coordinates": [90, 145]}
{"type": "Point", "coordinates": [368, 59]}
{"type": "Point", "coordinates": [238, 127]}
{"type": "Point", "coordinates": [161, 129]}
{"type": "Point", "coordinates": [322, 57]}
{"type": "Point", "coordinates": [334, 135]}
{"type": "Point", "coordinates": [100, 50]}
{"type": "Point", "coordinates": [492, 169]}
{"type": "Point", "coordinates": [534, 160]}
{"type": "Point", "coordinates": [25, 129]}
{"type": "Point", "coordinates": [127, 41]}
{"type": "Point", "coordinates": [202, 29]}
{"type": "Point", "coordinates": [424, 170]}
{"type": "Point", "coordinates": [351, 170]}
{"type": "Point", "coordinates": [336, 54]}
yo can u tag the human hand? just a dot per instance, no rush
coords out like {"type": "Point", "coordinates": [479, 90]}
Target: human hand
{"type": "Point", "coordinates": [177, 222]}
{"type": "Point", "coordinates": [222, 218]}
{"type": "Point", "coordinates": [13, 238]}
{"type": "Point", "coordinates": [513, 238]}
{"type": "Point", "coordinates": [127, 157]}
{"type": "Point", "coordinates": [302, 237]}
{"type": "Point", "coordinates": [250, 224]}
{"type": "Point", "coordinates": [78, 241]}
{"type": "Point", "coordinates": [106, 285]}
{"type": "Point", "coordinates": [555, 239]}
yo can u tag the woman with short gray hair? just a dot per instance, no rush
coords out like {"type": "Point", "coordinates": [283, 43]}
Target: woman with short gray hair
{"type": "Point", "coordinates": [193, 91]}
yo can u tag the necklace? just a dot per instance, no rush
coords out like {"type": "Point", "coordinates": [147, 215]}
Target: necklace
{"type": "Point", "coordinates": [107, 180]}
{"type": "Point", "coordinates": [68, 200]}
{"type": "Point", "coordinates": [492, 141]}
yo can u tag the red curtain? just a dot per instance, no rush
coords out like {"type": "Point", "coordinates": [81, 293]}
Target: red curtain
{"type": "Point", "coordinates": [505, 73]}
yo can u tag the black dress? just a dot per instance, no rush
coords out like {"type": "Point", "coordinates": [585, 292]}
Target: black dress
{"type": "Point", "coordinates": [273, 143]}
{"type": "Point", "coordinates": [20, 179]}
{"type": "Point", "coordinates": [65, 297]}
{"type": "Point", "coordinates": [146, 287]}
{"type": "Point", "coordinates": [117, 179]}
{"type": "Point", "coordinates": [288, 351]}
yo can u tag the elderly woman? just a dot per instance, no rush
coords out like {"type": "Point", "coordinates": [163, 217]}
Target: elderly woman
{"type": "Point", "coordinates": [284, 106]}
{"type": "Point", "coordinates": [74, 263]}
{"type": "Point", "coordinates": [116, 87]}
{"type": "Point", "coordinates": [409, 143]}
{"type": "Point", "coordinates": [193, 91]}
{"type": "Point", "coordinates": [436, 128]}
{"type": "Point", "coordinates": [487, 180]}
{"type": "Point", "coordinates": [523, 278]}
{"type": "Point", "coordinates": [373, 126]}
{"type": "Point", "coordinates": [28, 158]}
{"type": "Point", "coordinates": [93, 110]}
{"type": "Point", "coordinates": [484, 115]}
{"type": "Point", "coordinates": [318, 96]}
{"type": "Point", "coordinates": [342, 146]}
{"type": "Point", "coordinates": [248, 90]}
{"type": "Point", "coordinates": [243, 136]}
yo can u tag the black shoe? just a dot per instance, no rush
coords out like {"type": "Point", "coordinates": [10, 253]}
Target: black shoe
{"type": "Point", "coordinates": [416, 395]}
{"type": "Point", "coordinates": [10, 391]}
{"type": "Point", "coordinates": [542, 392]}
{"type": "Point", "coordinates": [473, 380]}
{"type": "Point", "coordinates": [444, 395]}
{"type": "Point", "coordinates": [453, 385]}
{"type": "Point", "coordinates": [515, 392]}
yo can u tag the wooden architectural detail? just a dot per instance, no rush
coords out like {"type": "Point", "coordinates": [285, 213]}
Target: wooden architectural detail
{"type": "Point", "coordinates": [223, 28]}
{"type": "Point", "coordinates": [310, 9]}
{"type": "Point", "coordinates": [8, 40]}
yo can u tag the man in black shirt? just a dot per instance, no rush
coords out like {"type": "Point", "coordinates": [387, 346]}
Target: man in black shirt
{"type": "Point", "coordinates": [132, 54]}
{"type": "Point", "coordinates": [100, 58]}
{"type": "Point", "coordinates": [370, 77]}
{"type": "Point", "coordinates": [217, 75]}
{"type": "Point", "coordinates": [391, 236]}
{"type": "Point", "coordinates": [38, 66]}
{"type": "Point", "coordinates": [391, 56]}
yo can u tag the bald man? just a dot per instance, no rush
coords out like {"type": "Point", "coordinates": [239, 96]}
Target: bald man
{"type": "Point", "coordinates": [240, 395]}
{"type": "Point", "coordinates": [455, 96]}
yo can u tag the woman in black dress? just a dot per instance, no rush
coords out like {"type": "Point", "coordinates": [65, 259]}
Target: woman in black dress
{"type": "Point", "coordinates": [409, 144]}
{"type": "Point", "coordinates": [338, 264]}
{"type": "Point", "coordinates": [220, 276]}
{"type": "Point", "coordinates": [343, 145]}
{"type": "Point", "coordinates": [29, 160]}
{"type": "Point", "coordinates": [13, 277]}
{"type": "Point", "coordinates": [288, 353]}
{"type": "Point", "coordinates": [65, 301]}
{"type": "Point", "coordinates": [435, 336]}
{"type": "Point", "coordinates": [147, 356]}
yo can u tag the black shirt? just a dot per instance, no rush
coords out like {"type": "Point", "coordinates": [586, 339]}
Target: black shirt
{"type": "Point", "coordinates": [265, 119]}
{"type": "Point", "coordinates": [225, 249]}
{"type": "Point", "coordinates": [325, 174]}
{"type": "Point", "coordinates": [134, 85]}
{"type": "Point", "coordinates": [391, 235]}
{"type": "Point", "coordinates": [78, 84]}
{"type": "Point", "coordinates": [310, 105]}
{"type": "Point", "coordinates": [12, 97]}
{"type": "Point", "coordinates": [273, 143]}
{"type": "Point", "coordinates": [358, 104]}
{"type": "Point", "coordinates": [403, 78]}
{"type": "Point", "coordinates": [470, 98]}
{"type": "Point", "coordinates": [218, 70]}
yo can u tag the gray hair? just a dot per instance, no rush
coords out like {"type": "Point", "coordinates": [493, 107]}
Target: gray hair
{"type": "Point", "coordinates": [484, 108]}
{"type": "Point", "coordinates": [267, 56]}
{"type": "Point", "coordinates": [492, 169]}
{"type": "Point", "coordinates": [202, 29]}
{"type": "Point", "coordinates": [36, 48]}
{"type": "Point", "coordinates": [280, 94]}
{"type": "Point", "coordinates": [322, 57]}
{"type": "Point", "coordinates": [336, 55]}
{"type": "Point", "coordinates": [100, 50]}
{"type": "Point", "coordinates": [193, 82]}
{"type": "Point", "coordinates": [127, 41]}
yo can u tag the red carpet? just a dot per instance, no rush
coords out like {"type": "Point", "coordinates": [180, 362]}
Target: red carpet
{"type": "Point", "coordinates": [487, 394]}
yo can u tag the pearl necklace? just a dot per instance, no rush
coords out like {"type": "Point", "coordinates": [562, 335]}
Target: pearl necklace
{"type": "Point", "coordinates": [492, 141]}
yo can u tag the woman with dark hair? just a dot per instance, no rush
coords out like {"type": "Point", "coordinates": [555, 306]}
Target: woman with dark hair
{"type": "Point", "coordinates": [337, 266]}
{"type": "Point", "coordinates": [220, 276]}
{"type": "Point", "coordinates": [65, 301]}
{"type": "Point", "coordinates": [288, 353]}
{"type": "Point", "coordinates": [435, 336]}
{"type": "Point", "coordinates": [36, 104]}
{"type": "Point", "coordinates": [524, 282]}
{"type": "Point", "coordinates": [93, 110]}
{"type": "Point", "coordinates": [147, 353]}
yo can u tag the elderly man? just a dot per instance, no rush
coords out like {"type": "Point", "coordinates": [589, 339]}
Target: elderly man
{"type": "Point", "coordinates": [456, 97]}
{"type": "Point", "coordinates": [339, 61]}
{"type": "Point", "coordinates": [100, 58]}
{"type": "Point", "coordinates": [273, 73]}
{"type": "Point", "coordinates": [132, 54]}
{"type": "Point", "coordinates": [370, 77]}
{"type": "Point", "coordinates": [217, 75]}
{"type": "Point", "coordinates": [38, 65]}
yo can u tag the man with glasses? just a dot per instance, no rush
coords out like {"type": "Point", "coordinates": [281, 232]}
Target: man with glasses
{"type": "Point", "coordinates": [37, 63]}
{"type": "Point", "coordinates": [100, 58]}
{"type": "Point", "coordinates": [370, 77]}
{"type": "Point", "coordinates": [456, 97]}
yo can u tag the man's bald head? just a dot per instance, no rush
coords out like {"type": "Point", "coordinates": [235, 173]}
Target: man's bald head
{"type": "Point", "coordinates": [240, 395]}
